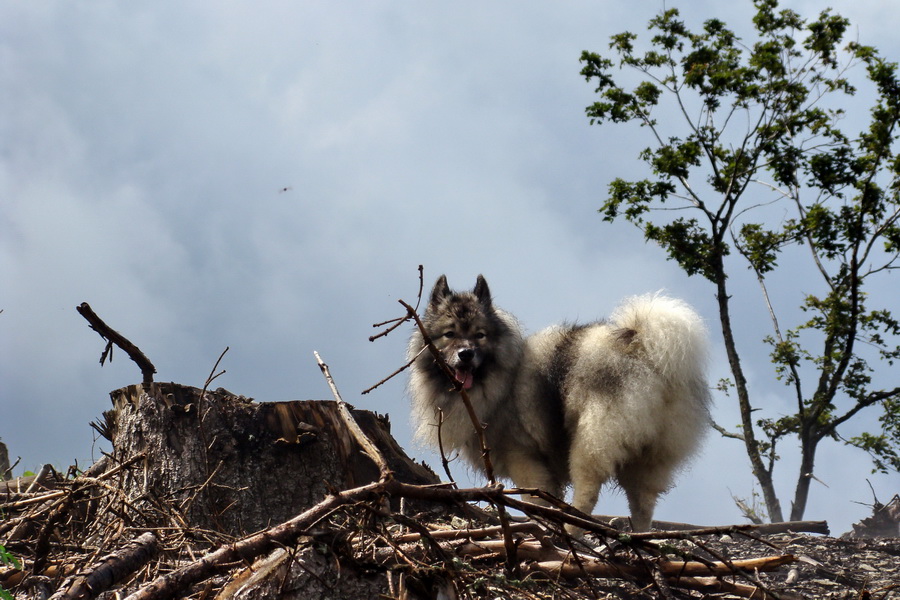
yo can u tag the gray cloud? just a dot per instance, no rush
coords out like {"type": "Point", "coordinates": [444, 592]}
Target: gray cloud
{"type": "Point", "coordinates": [142, 155]}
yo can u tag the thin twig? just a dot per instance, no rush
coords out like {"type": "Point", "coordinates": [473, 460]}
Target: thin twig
{"type": "Point", "coordinates": [397, 322]}
{"type": "Point", "coordinates": [408, 364]}
{"type": "Point", "coordinates": [212, 375]}
{"type": "Point", "coordinates": [440, 439]}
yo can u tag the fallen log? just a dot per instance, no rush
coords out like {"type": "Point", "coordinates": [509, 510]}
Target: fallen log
{"type": "Point", "coordinates": [109, 570]}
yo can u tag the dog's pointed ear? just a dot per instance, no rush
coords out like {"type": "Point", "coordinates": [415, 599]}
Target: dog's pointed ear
{"type": "Point", "coordinates": [440, 290]}
{"type": "Point", "coordinates": [481, 291]}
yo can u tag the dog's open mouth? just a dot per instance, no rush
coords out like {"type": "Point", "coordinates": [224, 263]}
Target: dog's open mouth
{"type": "Point", "coordinates": [465, 378]}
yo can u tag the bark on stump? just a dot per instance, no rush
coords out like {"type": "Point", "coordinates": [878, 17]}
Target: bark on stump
{"type": "Point", "coordinates": [236, 466]}
{"type": "Point", "coordinates": [5, 471]}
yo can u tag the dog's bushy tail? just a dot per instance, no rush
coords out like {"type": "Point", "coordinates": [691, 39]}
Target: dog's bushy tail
{"type": "Point", "coordinates": [670, 332]}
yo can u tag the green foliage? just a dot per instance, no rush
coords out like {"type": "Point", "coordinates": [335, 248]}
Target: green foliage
{"type": "Point", "coordinates": [689, 244]}
{"type": "Point", "coordinates": [9, 560]}
{"type": "Point", "coordinates": [761, 164]}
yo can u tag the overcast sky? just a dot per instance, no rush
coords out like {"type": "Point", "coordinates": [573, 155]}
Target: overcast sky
{"type": "Point", "coordinates": [267, 176]}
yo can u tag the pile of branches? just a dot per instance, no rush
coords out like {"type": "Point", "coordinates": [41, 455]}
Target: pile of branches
{"type": "Point", "coordinates": [80, 537]}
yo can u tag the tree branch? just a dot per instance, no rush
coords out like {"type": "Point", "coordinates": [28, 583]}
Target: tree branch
{"type": "Point", "coordinates": [110, 570]}
{"type": "Point", "coordinates": [361, 438]}
{"type": "Point", "coordinates": [114, 337]}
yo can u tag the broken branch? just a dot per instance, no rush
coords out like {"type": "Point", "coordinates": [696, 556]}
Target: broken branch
{"type": "Point", "coordinates": [110, 569]}
{"type": "Point", "coordinates": [114, 337]}
{"type": "Point", "coordinates": [352, 425]}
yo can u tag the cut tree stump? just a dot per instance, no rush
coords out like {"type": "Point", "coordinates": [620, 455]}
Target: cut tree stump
{"type": "Point", "coordinates": [236, 466]}
{"type": "Point", "coordinates": [5, 470]}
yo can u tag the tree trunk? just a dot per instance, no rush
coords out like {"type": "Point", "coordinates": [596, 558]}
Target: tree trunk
{"type": "Point", "coordinates": [763, 476]}
{"type": "Point", "coordinates": [236, 466]}
{"type": "Point", "coordinates": [808, 444]}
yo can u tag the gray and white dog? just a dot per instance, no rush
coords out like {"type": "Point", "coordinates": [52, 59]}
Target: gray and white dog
{"type": "Point", "coordinates": [624, 399]}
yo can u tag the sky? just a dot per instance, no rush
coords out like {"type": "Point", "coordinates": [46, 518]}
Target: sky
{"type": "Point", "coordinates": [268, 176]}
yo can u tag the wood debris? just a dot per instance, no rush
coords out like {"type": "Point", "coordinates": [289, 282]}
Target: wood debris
{"type": "Point", "coordinates": [93, 534]}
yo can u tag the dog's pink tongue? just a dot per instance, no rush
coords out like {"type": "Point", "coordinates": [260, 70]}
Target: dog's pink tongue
{"type": "Point", "coordinates": [465, 378]}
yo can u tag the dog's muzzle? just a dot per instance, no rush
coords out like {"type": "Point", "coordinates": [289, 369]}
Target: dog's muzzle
{"type": "Point", "coordinates": [465, 367]}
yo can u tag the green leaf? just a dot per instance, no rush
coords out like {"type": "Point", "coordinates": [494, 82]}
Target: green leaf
{"type": "Point", "coordinates": [7, 558]}
{"type": "Point", "coordinates": [633, 199]}
{"type": "Point", "coordinates": [760, 246]}
{"type": "Point", "coordinates": [688, 244]}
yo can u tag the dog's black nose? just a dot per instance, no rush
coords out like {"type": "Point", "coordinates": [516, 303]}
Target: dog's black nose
{"type": "Point", "coordinates": [466, 355]}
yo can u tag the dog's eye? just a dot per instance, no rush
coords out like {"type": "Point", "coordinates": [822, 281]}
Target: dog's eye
{"type": "Point", "coordinates": [449, 334]}
{"type": "Point", "coordinates": [480, 335]}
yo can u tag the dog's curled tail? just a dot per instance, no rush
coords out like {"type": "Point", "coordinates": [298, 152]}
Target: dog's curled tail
{"type": "Point", "coordinates": [670, 332]}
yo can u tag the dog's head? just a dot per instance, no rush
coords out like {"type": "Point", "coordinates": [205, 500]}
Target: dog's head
{"type": "Point", "coordinates": [464, 327]}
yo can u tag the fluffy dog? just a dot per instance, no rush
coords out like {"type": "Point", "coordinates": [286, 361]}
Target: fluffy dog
{"type": "Point", "coordinates": [624, 399]}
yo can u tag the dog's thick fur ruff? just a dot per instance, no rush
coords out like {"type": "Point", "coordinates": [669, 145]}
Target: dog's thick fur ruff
{"type": "Point", "coordinates": [624, 399]}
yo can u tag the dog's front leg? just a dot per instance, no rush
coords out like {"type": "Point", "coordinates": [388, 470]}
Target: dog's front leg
{"type": "Point", "coordinates": [528, 472]}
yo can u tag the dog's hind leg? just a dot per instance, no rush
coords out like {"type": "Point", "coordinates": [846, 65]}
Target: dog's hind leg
{"type": "Point", "coordinates": [643, 485]}
{"type": "Point", "coordinates": [641, 502]}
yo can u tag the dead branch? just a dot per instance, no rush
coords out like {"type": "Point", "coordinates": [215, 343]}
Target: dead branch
{"type": "Point", "coordinates": [445, 462]}
{"type": "Point", "coordinates": [114, 337]}
{"type": "Point", "coordinates": [760, 528]}
{"type": "Point", "coordinates": [285, 534]}
{"type": "Point", "coordinates": [471, 534]}
{"type": "Point", "coordinates": [558, 562]}
{"type": "Point", "coordinates": [483, 548]}
{"type": "Point", "coordinates": [716, 585]}
{"type": "Point", "coordinates": [395, 323]}
{"type": "Point", "coordinates": [37, 499]}
{"type": "Point", "coordinates": [412, 312]}
{"type": "Point", "coordinates": [248, 549]}
{"type": "Point", "coordinates": [674, 568]}
{"type": "Point", "coordinates": [90, 524]}
{"type": "Point", "coordinates": [476, 424]}
{"type": "Point", "coordinates": [40, 479]}
{"type": "Point", "coordinates": [790, 526]}
{"type": "Point", "coordinates": [86, 477]}
{"type": "Point", "coordinates": [884, 522]}
{"type": "Point", "coordinates": [361, 438]}
{"type": "Point", "coordinates": [685, 530]}
{"type": "Point", "coordinates": [110, 569]}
